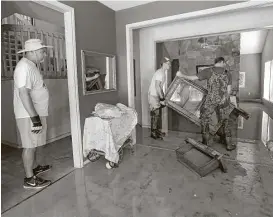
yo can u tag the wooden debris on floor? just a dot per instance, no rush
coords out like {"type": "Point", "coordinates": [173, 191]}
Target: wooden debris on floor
{"type": "Point", "coordinates": [200, 158]}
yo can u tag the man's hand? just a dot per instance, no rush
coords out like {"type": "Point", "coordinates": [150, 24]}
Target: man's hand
{"type": "Point", "coordinates": [96, 76]}
{"type": "Point", "coordinates": [163, 102]}
{"type": "Point", "coordinates": [36, 125]}
{"type": "Point", "coordinates": [233, 100]}
{"type": "Point", "coordinates": [189, 77]}
{"type": "Point", "coordinates": [179, 74]}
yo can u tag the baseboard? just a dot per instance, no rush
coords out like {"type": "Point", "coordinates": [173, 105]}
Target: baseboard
{"type": "Point", "coordinates": [58, 137]}
{"type": "Point", "coordinates": [14, 145]}
{"type": "Point", "coordinates": [146, 126]}
{"type": "Point", "coordinates": [250, 100]}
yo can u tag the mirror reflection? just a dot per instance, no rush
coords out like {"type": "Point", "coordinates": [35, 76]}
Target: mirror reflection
{"type": "Point", "coordinates": [99, 73]}
{"type": "Point", "coordinates": [188, 97]}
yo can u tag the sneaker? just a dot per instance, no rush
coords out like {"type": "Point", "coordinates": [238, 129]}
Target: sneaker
{"type": "Point", "coordinates": [155, 136]}
{"type": "Point", "coordinates": [41, 169]}
{"type": "Point", "coordinates": [161, 134]}
{"type": "Point", "coordinates": [111, 165]}
{"type": "Point", "coordinates": [35, 182]}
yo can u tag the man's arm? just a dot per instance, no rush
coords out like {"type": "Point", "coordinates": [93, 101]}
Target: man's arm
{"type": "Point", "coordinates": [189, 77]}
{"type": "Point", "coordinates": [24, 94]}
{"type": "Point", "coordinates": [159, 89]}
{"type": "Point", "coordinates": [92, 78]}
{"type": "Point", "coordinates": [25, 97]}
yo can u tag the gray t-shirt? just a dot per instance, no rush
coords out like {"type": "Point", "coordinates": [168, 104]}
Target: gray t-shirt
{"type": "Point", "coordinates": [27, 75]}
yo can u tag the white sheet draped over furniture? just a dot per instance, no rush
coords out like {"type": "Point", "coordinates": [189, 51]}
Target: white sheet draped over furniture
{"type": "Point", "coordinates": [109, 133]}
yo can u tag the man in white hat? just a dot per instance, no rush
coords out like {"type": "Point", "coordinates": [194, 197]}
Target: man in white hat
{"type": "Point", "coordinates": [31, 109]}
{"type": "Point", "coordinates": [156, 98]}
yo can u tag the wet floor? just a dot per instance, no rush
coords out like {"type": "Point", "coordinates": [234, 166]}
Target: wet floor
{"type": "Point", "coordinates": [151, 182]}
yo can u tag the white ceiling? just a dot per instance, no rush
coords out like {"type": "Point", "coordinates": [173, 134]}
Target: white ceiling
{"type": "Point", "coordinates": [251, 42]}
{"type": "Point", "coordinates": [120, 5]}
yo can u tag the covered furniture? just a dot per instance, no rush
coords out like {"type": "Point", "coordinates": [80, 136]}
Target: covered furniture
{"type": "Point", "coordinates": [107, 129]}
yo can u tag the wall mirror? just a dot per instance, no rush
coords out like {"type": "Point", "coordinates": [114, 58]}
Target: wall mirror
{"type": "Point", "coordinates": [98, 72]}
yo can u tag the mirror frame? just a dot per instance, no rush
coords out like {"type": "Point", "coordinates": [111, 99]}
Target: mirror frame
{"type": "Point", "coordinates": [192, 117]}
{"type": "Point", "coordinates": [85, 53]}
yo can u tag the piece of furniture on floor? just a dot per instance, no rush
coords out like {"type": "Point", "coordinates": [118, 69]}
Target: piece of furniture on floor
{"type": "Point", "coordinates": [200, 158]}
{"type": "Point", "coordinates": [108, 130]}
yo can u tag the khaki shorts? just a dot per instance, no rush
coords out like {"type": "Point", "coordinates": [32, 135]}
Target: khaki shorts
{"type": "Point", "coordinates": [154, 102]}
{"type": "Point", "coordinates": [29, 139]}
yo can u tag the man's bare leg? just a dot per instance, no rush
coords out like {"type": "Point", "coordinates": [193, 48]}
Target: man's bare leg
{"type": "Point", "coordinates": [40, 165]}
{"type": "Point", "coordinates": [32, 181]}
{"type": "Point", "coordinates": [28, 157]}
{"type": "Point", "coordinates": [39, 158]}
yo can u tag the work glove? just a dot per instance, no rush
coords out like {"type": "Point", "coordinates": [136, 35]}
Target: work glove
{"type": "Point", "coordinates": [36, 124]}
{"type": "Point", "coordinates": [162, 102]}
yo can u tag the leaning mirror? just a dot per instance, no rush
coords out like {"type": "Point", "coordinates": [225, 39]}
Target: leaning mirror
{"type": "Point", "coordinates": [186, 98]}
{"type": "Point", "coordinates": [98, 72]}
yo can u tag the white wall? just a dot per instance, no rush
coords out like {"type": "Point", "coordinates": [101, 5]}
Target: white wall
{"type": "Point", "coordinates": [253, 18]}
{"type": "Point", "coordinates": [137, 75]}
{"type": "Point", "coordinates": [251, 65]}
{"type": "Point", "coordinates": [58, 111]}
{"type": "Point", "coordinates": [58, 119]}
{"type": "Point", "coordinates": [8, 126]}
{"type": "Point", "coordinates": [48, 26]}
{"type": "Point", "coordinates": [267, 55]}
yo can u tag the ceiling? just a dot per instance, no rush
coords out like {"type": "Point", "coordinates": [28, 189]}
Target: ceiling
{"type": "Point", "coordinates": [251, 42]}
{"type": "Point", "coordinates": [120, 5]}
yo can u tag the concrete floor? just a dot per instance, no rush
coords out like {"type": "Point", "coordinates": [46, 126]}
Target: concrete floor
{"type": "Point", "coordinates": [59, 154]}
{"type": "Point", "coordinates": [150, 182]}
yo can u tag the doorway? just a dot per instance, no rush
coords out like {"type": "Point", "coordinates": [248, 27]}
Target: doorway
{"type": "Point", "coordinates": [188, 26]}
{"type": "Point", "coordinates": [72, 108]}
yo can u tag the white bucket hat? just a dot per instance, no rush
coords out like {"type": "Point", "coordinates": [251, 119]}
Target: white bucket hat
{"type": "Point", "coordinates": [32, 45]}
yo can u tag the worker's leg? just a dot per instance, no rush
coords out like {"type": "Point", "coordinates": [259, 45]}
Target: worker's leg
{"type": "Point", "coordinates": [220, 132]}
{"type": "Point", "coordinates": [155, 105]}
{"type": "Point", "coordinates": [155, 119]}
{"type": "Point", "coordinates": [227, 128]}
{"type": "Point", "coordinates": [159, 126]}
{"type": "Point", "coordinates": [205, 116]}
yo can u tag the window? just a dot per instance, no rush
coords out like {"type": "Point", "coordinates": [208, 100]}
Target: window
{"type": "Point", "coordinates": [271, 83]}
{"type": "Point", "coordinates": [265, 128]}
{"type": "Point", "coordinates": [268, 81]}
{"type": "Point", "coordinates": [13, 39]}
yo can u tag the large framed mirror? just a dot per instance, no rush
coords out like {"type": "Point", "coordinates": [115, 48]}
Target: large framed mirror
{"type": "Point", "coordinates": [98, 72]}
{"type": "Point", "coordinates": [186, 98]}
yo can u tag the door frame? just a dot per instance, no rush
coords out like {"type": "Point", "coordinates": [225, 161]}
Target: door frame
{"type": "Point", "coordinates": [72, 77]}
{"type": "Point", "coordinates": [180, 17]}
